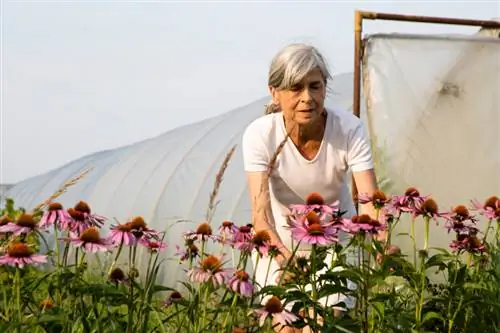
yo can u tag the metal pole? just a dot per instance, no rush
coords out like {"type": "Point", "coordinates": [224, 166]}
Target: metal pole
{"type": "Point", "coordinates": [428, 19]}
{"type": "Point", "coordinates": [356, 107]}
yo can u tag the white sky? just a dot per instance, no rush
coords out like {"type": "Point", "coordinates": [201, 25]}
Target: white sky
{"type": "Point", "coordinates": [83, 76]}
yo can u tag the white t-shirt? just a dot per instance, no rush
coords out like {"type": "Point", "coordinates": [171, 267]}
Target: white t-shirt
{"type": "Point", "coordinates": [345, 147]}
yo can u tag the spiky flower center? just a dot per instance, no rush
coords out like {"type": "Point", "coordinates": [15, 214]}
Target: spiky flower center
{"type": "Point", "coordinates": [204, 229]}
{"type": "Point", "coordinates": [315, 230]}
{"type": "Point", "coordinates": [430, 207]}
{"type": "Point", "coordinates": [273, 305]}
{"type": "Point", "coordinates": [83, 207]}
{"type": "Point", "coordinates": [379, 197]}
{"type": "Point", "coordinates": [363, 219]}
{"type": "Point", "coordinates": [315, 199]}
{"type": "Point", "coordinates": [242, 276]}
{"type": "Point", "coordinates": [90, 235]}
{"type": "Point", "coordinates": [19, 250]}
{"type": "Point", "coordinates": [211, 264]}
{"type": "Point", "coordinates": [26, 220]}
{"type": "Point", "coordinates": [227, 224]}
{"type": "Point", "coordinates": [312, 218]}
{"type": "Point", "coordinates": [492, 202]}
{"type": "Point", "coordinates": [138, 223]}
{"type": "Point", "coordinates": [412, 192]}
{"type": "Point", "coordinates": [124, 227]}
{"type": "Point", "coordinates": [261, 238]}
{"type": "Point", "coordinates": [76, 214]}
{"type": "Point", "coordinates": [461, 211]}
{"type": "Point", "coordinates": [5, 219]}
{"type": "Point", "coordinates": [53, 206]}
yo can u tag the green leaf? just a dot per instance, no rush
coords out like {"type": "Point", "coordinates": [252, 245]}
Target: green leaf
{"type": "Point", "coordinates": [431, 315]}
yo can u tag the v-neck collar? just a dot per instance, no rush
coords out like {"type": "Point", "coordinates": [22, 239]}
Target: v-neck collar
{"type": "Point", "coordinates": [296, 151]}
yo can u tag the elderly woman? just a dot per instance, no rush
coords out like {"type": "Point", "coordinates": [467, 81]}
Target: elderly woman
{"type": "Point", "coordinates": [321, 147]}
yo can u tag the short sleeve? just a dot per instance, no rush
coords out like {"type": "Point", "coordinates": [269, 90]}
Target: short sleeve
{"type": "Point", "coordinates": [359, 153]}
{"type": "Point", "coordinates": [255, 156]}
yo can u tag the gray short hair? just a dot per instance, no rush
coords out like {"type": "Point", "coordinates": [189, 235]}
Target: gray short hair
{"type": "Point", "coordinates": [291, 65]}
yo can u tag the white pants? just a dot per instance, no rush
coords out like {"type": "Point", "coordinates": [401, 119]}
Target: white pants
{"type": "Point", "coordinates": [329, 301]}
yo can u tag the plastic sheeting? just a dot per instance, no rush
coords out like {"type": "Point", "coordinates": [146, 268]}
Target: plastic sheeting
{"type": "Point", "coordinates": [167, 178]}
{"type": "Point", "coordinates": [433, 112]}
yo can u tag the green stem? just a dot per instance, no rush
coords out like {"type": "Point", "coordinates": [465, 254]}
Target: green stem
{"type": "Point", "coordinates": [18, 296]}
{"type": "Point", "coordinates": [426, 242]}
{"type": "Point", "coordinates": [313, 285]}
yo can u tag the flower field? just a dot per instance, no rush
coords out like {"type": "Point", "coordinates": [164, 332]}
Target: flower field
{"type": "Point", "coordinates": [455, 289]}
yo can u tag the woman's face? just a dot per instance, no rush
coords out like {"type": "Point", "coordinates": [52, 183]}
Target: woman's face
{"type": "Point", "coordinates": [304, 102]}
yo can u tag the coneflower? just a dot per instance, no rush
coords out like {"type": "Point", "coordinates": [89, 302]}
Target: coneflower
{"type": "Point", "coordinates": [20, 254]}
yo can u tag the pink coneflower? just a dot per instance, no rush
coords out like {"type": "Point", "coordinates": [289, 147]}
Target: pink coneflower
{"type": "Point", "coordinates": [308, 229]}
{"type": "Point", "coordinates": [467, 243]}
{"type": "Point", "coordinates": [122, 234]}
{"type": "Point", "coordinates": [240, 284]}
{"type": "Point", "coordinates": [490, 209]}
{"type": "Point", "coordinates": [4, 220]}
{"type": "Point", "coordinates": [189, 252]}
{"type": "Point", "coordinates": [20, 255]}
{"type": "Point", "coordinates": [210, 270]}
{"type": "Point", "coordinates": [261, 241]}
{"type": "Point", "coordinates": [25, 224]}
{"type": "Point", "coordinates": [141, 230]}
{"type": "Point", "coordinates": [428, 209]}
{"type": "Point", "coordinates": [90, 241]}
{"type": "Point", "coordinates": [378, 199]}
{"type": "Point", "coordinates": [459, 220]}
{"type": "Point", "coordinates": [408, 202]}
{"type": "Point", "coordinates": [274, 309]}
{"type": "Point", "coordinates": [154, 246]}
{"type": "Point", "coordinates": [56, 214]}
{"type": "Point", "coordinates": [228, 228]}
{"type": "Point", "coordinates": [362, 224]}
{"type": "Point", "coordinates": [203, 232]}
{"type": "Point", "coordinates": [83, 218]}
{"type": "Point", "coordinates": [242, 238]}
{"type": "Point", "coordinates": [316, 203]}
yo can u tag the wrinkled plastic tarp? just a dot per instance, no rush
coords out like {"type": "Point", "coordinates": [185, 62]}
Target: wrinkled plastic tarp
{"type": "Point", "coordinates": [433, 109]}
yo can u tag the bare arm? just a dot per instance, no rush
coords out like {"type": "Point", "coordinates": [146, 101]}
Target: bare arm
{"type": "Point", "coordinates": [366, 183]}
{"type": "Point", "coordinates": [262, 217]}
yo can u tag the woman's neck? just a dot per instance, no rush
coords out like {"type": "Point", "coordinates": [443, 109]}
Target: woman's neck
{"type": "Point", "coordinates": [301, 134]}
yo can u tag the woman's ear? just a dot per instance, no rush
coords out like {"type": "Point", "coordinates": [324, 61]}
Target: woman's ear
{"type": "Point", "coordinates": [274, 94]}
